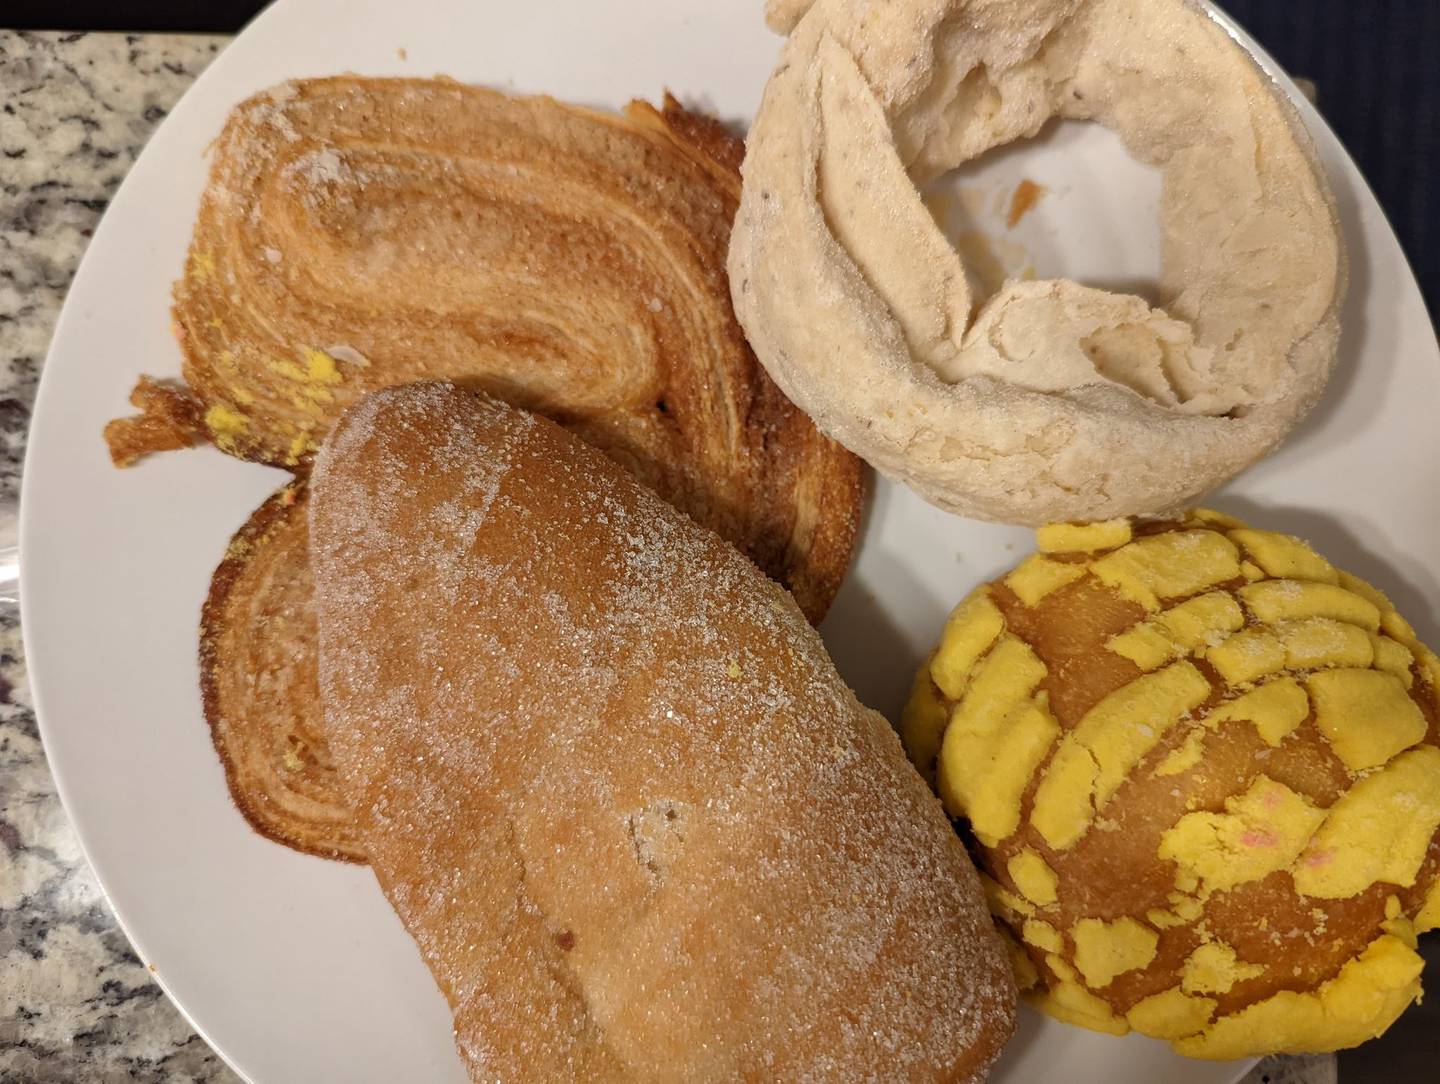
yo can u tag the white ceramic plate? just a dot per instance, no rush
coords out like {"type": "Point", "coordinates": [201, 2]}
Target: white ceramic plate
{"type": "Point", "coordinates": [294, 968]}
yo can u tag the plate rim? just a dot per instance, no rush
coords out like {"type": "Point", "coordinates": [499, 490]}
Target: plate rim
{"type": "Point", "coordinates": [1317, 127]}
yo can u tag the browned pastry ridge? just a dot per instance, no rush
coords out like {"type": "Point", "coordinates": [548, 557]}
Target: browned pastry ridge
{"type": "Point", "coordinates": [359, 233]}
{"type": "Point", "coordinates": [609, 779]}
{"type": "Point", "coordinates": [170, 418]}
{"type": "Point", "coordinates": [258, 684]}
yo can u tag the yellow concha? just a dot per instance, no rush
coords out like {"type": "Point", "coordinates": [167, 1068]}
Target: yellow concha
{"type": "Point", "coordinates": [1201, 772]}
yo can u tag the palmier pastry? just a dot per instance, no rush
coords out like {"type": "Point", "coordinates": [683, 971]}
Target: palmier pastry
{"type": "Point", "coordinates": [1201, 770]}
{"type": "Point", "coordinates": [612, 784]}
{"type": "Point", "coordinates": [258, 684]}
{"type": "Point", "coordinates": [357, 233]}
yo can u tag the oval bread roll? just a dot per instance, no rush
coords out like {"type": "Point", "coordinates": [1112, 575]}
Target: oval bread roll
{"type": "Point", "coordinates": [637, 824]}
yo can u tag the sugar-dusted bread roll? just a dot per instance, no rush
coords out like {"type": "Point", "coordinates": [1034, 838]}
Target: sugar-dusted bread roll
{"type": "Point", "coordinates": [611, 782]}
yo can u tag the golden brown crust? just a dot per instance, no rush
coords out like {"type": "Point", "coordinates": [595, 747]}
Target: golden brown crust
{"type": "Point", "coordinates": [170, 418]}
{"type": "Point", "coordinates": [569, 261]}
{"type": "Point", "coordinates": [704, 139]}
{"type": "Point", "coordinates": [258, 684]}
{"type": "Point", "coordinates": [611, 782]}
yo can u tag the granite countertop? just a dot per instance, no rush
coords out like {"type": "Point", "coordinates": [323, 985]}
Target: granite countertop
{"type": "Point", "coordinates": [75, 1002]}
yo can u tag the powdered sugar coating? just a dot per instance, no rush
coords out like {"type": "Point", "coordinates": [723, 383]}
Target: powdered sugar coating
{"type": "Point", "coordinates": [1050, 401]}
{"type": "Point", "coordinates": [611, 781]}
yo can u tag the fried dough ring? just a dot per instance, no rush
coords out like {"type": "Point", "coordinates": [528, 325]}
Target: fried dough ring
{"type": "Point", "coordinates": [1056, 401]}
{"type": "Point", "coordinates": [259, 686]}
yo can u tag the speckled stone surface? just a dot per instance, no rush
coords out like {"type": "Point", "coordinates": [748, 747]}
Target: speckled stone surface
{"type": "Point", "coordinates": [75, 1003]}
